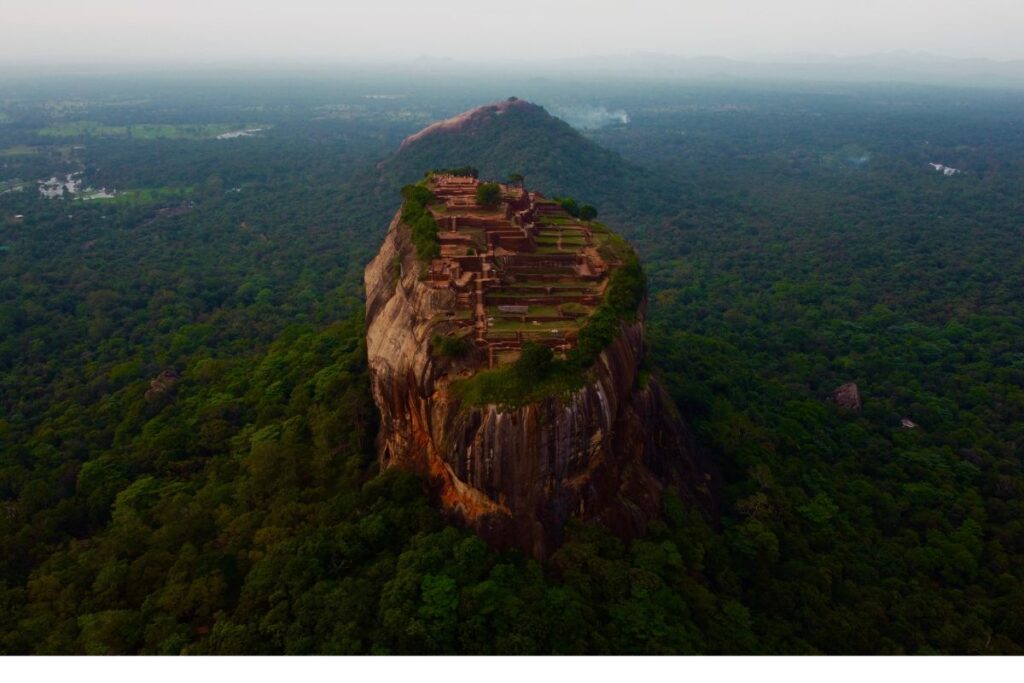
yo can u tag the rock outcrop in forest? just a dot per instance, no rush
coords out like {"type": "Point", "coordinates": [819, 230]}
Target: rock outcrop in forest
{"type": "Point", "coordinates": [459, 298]}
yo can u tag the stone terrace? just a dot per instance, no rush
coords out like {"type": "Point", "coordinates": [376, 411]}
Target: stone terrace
{"type": "Point", "coordinates": [525, 271]}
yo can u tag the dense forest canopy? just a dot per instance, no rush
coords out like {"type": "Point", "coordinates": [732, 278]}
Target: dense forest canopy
{"type": "Point", "coordinates": [186, 460]}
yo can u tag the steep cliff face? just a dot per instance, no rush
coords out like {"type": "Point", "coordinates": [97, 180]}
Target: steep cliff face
{"type": "Point", "coordinates": [517, 475]}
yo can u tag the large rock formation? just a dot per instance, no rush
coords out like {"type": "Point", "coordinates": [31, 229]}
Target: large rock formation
{"type": "Point", "coordinates": [518, 474]}
{"type": "Point", "coordinates": [848, 396]}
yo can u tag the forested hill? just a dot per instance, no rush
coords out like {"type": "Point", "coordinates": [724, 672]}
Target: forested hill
{"type": "Point", "coordinates": [518, 137]}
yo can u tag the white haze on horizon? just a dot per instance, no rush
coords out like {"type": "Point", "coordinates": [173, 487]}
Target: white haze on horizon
{"type": "Point", "coordinates": [588, 116]}
{"type": "Point", "coordinates": [394, 31]}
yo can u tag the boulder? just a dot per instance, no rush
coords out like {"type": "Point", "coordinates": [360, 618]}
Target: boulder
{"type": "Point", "coordinates": [161, 384]}
{"type": "Point", "coordinates": [848, 396]}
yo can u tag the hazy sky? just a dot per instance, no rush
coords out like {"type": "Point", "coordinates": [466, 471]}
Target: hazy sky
{"type": "Point", "coordinates": [126, 31]}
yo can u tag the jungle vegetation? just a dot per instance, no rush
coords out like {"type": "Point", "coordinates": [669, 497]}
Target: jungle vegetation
{"type": "Point", "coordinates": [186, 458]}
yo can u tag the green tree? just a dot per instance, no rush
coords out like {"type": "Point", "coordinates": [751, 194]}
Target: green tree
{"type": "Point", "coordinates": [571, 206]}
{"type": "Point", "coordinates": [488, 195]}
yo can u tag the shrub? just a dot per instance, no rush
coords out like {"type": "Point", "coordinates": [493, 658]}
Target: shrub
{"type": "Point", "coordinates": [573, 310]}
{"type": "Point", "coordinates": [625, 292]}
{"type": "Point", "coordinates": [421, 222]}
{"type": "Point", "coordinates": [535, 376]}
{"type": "Point", "coordinates": [449, 347]}
{"type": "Point", "coordinates": [534, 363]}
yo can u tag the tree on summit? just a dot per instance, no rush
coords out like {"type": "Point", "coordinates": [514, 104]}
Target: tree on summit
{"type": "Point", "coordinates": [571, 206]}
{"type": "Point", "coordinates": [488, 194]}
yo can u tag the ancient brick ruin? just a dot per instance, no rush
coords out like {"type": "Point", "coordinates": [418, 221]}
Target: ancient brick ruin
{"type": "Point", "coordinates": [524, 271]}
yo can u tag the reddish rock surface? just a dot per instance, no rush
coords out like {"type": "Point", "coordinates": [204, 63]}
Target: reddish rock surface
{"type": "Point", "coordinates": [468, 119]}
{"type": "Point", "coordinates": [162, 383]}
{"type": "Point", "coordinates": [517, 475]}
{"type": "Point", "coordinates": [523, 271]}
{"type": "Point", "coordinates": [848, 396]}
